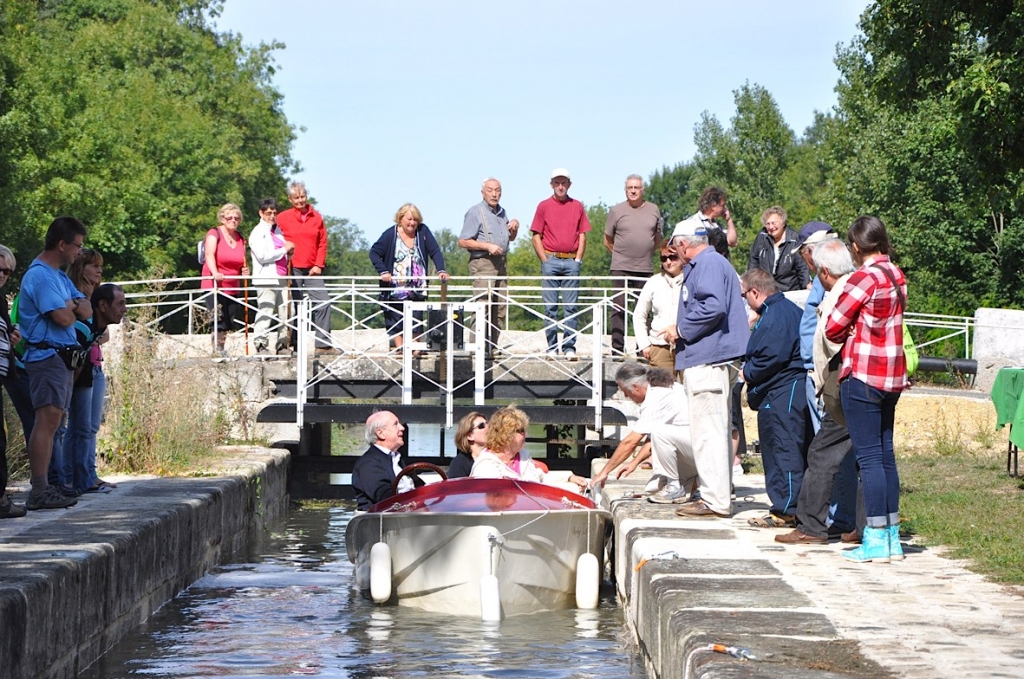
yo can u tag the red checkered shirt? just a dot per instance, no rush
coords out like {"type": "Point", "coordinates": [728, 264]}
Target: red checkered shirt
{"type": "Point", "coordinates": [868, 320]}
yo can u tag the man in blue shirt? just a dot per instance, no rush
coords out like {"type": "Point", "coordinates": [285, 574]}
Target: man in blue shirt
{"type": "Point", "coordinates": [711, 337]}
{"type": "Point", "coordinates": [50, 304]}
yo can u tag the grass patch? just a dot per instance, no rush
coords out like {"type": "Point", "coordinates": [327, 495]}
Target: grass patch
{"type": "Point", "coordinates": [967, 503]}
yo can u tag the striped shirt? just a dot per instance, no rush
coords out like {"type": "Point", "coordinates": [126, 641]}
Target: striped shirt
{"type": "Point", "coordinates": [868, 321]}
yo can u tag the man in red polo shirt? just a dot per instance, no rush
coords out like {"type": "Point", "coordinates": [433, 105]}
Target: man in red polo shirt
{"type": "Point", "coordinates": [559, 238]}
{"type": "Point", "coordinates": [302, 224]}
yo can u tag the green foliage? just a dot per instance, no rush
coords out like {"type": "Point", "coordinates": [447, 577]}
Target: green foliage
{"type": "Point", "coordinates": [673, 190]}
{"type": "Point", "coordinates": [908, 165]}
{"type": "Point", "coordinates": [137, 118]}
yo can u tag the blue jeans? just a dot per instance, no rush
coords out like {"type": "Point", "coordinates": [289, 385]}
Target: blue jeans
{"type": "Point", "coordinates": [99, 393]}
{"type": "Point", "coordinates": [555, 272]}
{"type": "Point", "coordinates": [84, 417]}
{"type": "Point", "coordinates": [870, 414]}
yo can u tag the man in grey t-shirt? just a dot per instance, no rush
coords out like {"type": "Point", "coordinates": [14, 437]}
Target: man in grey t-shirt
{"type": "Point", "coordinates": [486, 234]}
{"type": "Point", "coordinates": [631, 234]}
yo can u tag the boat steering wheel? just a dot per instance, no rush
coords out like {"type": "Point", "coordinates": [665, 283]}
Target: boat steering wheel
{"type": "Point", "coordinates": [414, 470]}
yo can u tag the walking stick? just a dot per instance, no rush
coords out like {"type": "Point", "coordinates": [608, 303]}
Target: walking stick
{"type": "Point", "coordinates": [245, 297]}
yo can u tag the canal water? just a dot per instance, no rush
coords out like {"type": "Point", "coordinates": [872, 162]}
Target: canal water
{"type": "Point", "coordinates": [290, 611]}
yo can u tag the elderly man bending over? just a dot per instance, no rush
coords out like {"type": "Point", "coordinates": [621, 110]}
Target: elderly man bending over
{"type": "Point", "coordinates": [662, 401]}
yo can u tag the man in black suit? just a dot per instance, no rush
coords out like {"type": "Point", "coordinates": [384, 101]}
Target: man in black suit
{"type": "Point", "coordinates": [377, 469]}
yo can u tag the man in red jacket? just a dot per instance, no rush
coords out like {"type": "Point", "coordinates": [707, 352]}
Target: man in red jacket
{"type": "Point", "coordinates": [304, 226]}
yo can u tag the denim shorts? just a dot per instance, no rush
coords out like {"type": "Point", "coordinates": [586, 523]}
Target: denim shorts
{"type": "Point", "coordinates": [50, 382]}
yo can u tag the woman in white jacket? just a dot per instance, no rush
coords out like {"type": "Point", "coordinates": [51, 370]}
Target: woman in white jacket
{"type": "Point", "coordinates": [505, 458]}
{"type": "Point", "coordinates": [655, 310]}
{"type": "Point", "coordinates": [270, 253]}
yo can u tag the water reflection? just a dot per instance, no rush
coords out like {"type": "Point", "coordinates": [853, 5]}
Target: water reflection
{"type": "Point", "coordinates": [291, 612]}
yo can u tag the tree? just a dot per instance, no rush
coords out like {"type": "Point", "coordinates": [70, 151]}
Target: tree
{"type": "Point", "coordinates": [137, 118]}
{"type": "Point", "coordinates": [675, 194]}
{"type": "Point", "coordinates": [965, 59]}
{"type": "Point", "coordinates": [908, 165]}
{"type": "Point", "coordinates": [751, 160]}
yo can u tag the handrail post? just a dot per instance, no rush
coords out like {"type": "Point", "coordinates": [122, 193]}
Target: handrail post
{"type": "Point", "coordinates": [597, 371]}
{"type": "Point", "coordinates": [301, 365]}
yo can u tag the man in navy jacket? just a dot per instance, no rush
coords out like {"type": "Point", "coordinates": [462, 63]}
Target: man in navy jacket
{"type": "Point", "coordinates": [375, 472]}
{"type": "Point", "coordinates": [775, 377]}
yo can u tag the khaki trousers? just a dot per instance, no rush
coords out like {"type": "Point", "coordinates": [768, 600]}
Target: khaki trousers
{"type": "Point", "coordinates": [490, 276]}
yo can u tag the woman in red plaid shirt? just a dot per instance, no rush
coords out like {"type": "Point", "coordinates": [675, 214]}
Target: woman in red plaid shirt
{"type": "Point", "coordinates": [868, 321]}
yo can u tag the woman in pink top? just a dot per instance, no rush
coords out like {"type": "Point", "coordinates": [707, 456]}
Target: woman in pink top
{"type": "Point", "coordinates": [222, 270]}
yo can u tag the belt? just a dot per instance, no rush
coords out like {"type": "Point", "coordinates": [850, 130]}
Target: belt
{"type": "Point", "coordinates": [561, 255]}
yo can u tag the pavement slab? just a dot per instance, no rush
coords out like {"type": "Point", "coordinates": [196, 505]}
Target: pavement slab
{"type": "Point", "coordinates": [804, 609]}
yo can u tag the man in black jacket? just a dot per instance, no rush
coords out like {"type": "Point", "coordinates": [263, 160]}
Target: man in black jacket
{"type": "Point", "coordinates": [376, 470]}
{"type": "Point", "coordinates": [776, 377]}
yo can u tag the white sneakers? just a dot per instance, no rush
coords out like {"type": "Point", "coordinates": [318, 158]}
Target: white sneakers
{"type": "Point", "coordinates": [670, 495]}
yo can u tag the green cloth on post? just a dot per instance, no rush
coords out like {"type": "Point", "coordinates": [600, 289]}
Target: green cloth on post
{"type": "Point", "coordinates": [1006, 396]}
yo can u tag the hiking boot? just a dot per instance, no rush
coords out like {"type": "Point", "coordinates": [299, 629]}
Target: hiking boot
{"type": "Point", "coordinates": [895, 548]}
{"type": "Point", "coordinates": [49, 498]}
{"type": "Point", "coordinates": [69, 491]}
{"type": "Point", "coordinates": [9, 510]}
{"type": "Point", "coordinates": [874, 547]}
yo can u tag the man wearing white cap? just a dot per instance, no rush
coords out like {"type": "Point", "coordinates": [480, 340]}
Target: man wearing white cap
{"type": "Point", "coordinates": [559, 231]}
{"type": "Point", "coordinates": [711, 336]}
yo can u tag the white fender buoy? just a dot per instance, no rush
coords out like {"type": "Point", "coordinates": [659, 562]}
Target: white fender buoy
{"type": "Point", "coordinates": [490, 601]}
{"type": "Point", "coordinates": [588, 581]}
{"type": "Point", "coordinates": [380, 572]}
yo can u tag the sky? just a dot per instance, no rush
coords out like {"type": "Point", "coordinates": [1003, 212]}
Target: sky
{"type": "Point", "coordinates": [419, 101]}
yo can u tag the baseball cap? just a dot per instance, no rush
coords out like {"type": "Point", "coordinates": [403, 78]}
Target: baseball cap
{"type": "Point", "coordinates": [814, 232]}
{"type": "Point", "coordinates": [690, 227]}
{"type": "Point", "coordinates": [560, 172]}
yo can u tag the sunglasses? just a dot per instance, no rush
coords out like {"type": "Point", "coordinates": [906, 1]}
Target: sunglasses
{"type": "Point", "coordinates": [7, 272]}
{"type": "Point", "coordinates": [481, 425]}
{"type": "Point", "coordinates": [669, 258]}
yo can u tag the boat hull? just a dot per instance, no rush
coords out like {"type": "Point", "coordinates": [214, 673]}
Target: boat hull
{"type": "Point", "coordinates": [440, 557]}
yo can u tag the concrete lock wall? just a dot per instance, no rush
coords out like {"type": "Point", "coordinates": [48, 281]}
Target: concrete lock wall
{"type": "Point", "coordinates": [997, 343]}
{"type": "Point", "coordinates": [61, 607]}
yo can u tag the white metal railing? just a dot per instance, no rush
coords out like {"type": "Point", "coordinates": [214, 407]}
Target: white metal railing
{"type": "Point", "coordinates": [175, 308]}
{"type": "Point", "coordinates": [958, 326]}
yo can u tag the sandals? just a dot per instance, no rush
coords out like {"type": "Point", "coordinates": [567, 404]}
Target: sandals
{"type": "Point", "coordinates": [773, 521]}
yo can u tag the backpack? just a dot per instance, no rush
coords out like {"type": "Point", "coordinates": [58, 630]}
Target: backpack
{"type": "Point", "coordinates": [201, 247]}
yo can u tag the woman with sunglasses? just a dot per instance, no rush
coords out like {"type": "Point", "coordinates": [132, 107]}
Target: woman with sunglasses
{"type": "Point", "coordinates": [224, 265]}
{"type": "Point", "coordinates": [505, 457]}
{"type": "Point", "coordinates": [470, 439]}
{"type": "Point", "coordinates": [86, 412]}
{"type": "Point", "coordinates": [656, 310]}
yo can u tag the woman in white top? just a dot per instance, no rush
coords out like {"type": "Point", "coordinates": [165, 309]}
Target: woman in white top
{"type": "Point", "coordinates": [655, 310]}
{"type": "Point", "coordinates": [270, 253]}
{"type": "Point", "coordinates": [504, 457]}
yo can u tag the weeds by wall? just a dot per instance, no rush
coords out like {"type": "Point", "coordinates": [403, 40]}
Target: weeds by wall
{"type": "Point", "coordinates": [158, 420]}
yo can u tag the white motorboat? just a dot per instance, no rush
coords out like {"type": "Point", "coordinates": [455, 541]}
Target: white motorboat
{"type": "Point", "coordinates": [487, 547]}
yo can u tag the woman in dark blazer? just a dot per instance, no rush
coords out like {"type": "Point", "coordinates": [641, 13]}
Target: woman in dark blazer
{"type": "Point", "coordinates": [400, 257]}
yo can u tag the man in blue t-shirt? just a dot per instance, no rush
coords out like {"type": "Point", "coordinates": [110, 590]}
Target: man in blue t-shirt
{"type": "Point", "coordinates": [49, 307]}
